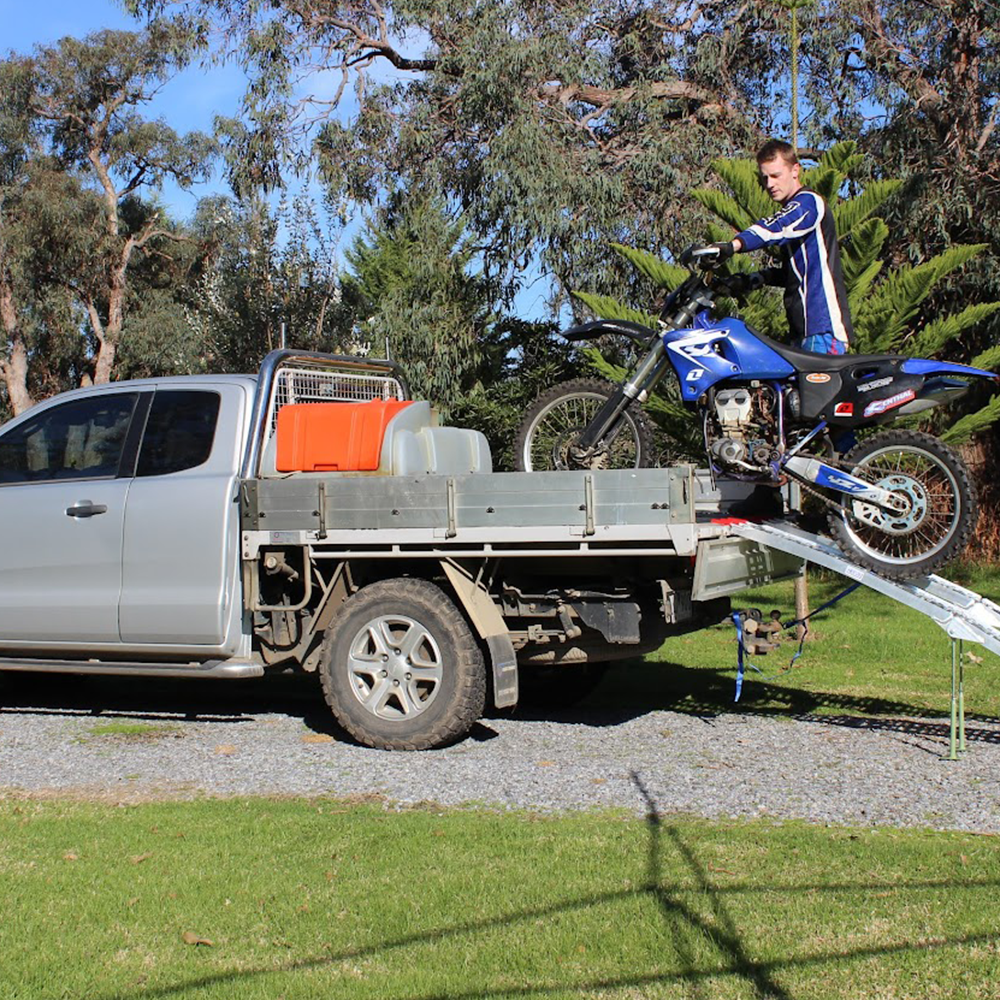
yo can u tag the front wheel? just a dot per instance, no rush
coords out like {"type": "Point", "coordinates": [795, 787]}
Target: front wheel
{"type": "Point", "coordinates": [401, 669]}
{"type": "Point", "coordinates": [939, 499]}
{"type": "Point", "coordinates": [548, 434]}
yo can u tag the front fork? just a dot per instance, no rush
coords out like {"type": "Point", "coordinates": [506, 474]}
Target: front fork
{"type": "Point", "coordinates": [637, 387]}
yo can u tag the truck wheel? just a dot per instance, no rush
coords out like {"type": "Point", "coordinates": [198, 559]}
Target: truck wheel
{"type": "Point", "coordinates": [401, 669]}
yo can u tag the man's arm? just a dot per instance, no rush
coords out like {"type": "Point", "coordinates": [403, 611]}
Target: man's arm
{"type": "Point", "coordinates": [800, 216]}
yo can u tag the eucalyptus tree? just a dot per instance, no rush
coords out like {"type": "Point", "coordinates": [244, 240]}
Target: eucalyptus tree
{"type": "Point", "coordinates": [552, 126]}
{"type": "Point", "coordinates": [87, 162]}
{"type": "Point", "coordinates": [272, 274]}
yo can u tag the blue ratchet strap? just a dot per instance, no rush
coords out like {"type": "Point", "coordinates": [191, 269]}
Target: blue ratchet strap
{"type": "Point", "coordinates": [742, 662]}
{"type": "Point", "coordinates": [804, 622]}
{"type": "Point", "coordinates": [739, 654]}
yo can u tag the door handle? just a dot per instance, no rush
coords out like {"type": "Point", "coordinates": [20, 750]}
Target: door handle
{"type": "Point", "coordinates": [86, 508]}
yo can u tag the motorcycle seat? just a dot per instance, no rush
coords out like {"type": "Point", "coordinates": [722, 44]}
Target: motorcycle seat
{"type": "Point", "coordinates": [809, 361]}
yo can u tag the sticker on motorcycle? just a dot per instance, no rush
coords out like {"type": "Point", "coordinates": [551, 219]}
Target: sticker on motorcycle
{"type": "Point", "coordinates": [827, 476]}
{"type": "Point", "coordinates": [844, 410]}
{"type": "Point", "coordinates": [698, 345]}
{"type": "Point", "coordinates": [889, 403]}
{"type": "Point", "coordinates": [817, 377]}
{"type": "Point", "coordinates": [877, 384]}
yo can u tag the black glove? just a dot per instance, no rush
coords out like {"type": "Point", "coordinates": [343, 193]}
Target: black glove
{"type": "Point", "coordinates": [740, 284]}
{"type": "Point", "coordinates": [712, 255]}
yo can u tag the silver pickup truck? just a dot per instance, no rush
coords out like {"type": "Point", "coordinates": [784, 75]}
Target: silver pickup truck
{"type": "Point", "coordinates": [223, 526]}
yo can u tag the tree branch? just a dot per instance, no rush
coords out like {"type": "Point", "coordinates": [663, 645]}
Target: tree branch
{"type": "Point", "coordinates": [602, 98]}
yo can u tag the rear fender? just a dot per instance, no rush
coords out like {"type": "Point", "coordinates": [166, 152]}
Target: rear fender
{"type": "Point", "coordinates": [935, 392]}
{"type": "Point", "coordinates": [922, 366]}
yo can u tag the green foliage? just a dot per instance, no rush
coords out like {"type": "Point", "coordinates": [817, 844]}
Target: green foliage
{"type": "Point", "coordinates": [662, 274]}
{"type": "Point", "coordinates": [725, 207]}
{"type": "Point", "coordinates": [936, 334]}
{"type": "Point", "coordinates": [552, 131]}
{"type": "Point", "coordinates": [841, 157]}
{"type": "Point", "coordinates": [972, 423]}
{"type": "Point", "coordinates": [851, 213]}
{"type": "Point", "coordinates": [519, 360]}
{"type": "Point", "coordinates": [743, 179]}
{"type": "Point", "coordinates": [88, 256]}
{"type": "Point", "coordinates": [989, 359]}
{"type": "Point", "coordinates": [886, 315]}
{"type": "Point", "coordinates": [861, 251]}
{"type": "Point", "coordinates": [415, 270]}
{"type": "Point", "coordinates": [269, 273]}
{"type": "Point", "coordinates": [609, 308]}
{"type": "Point", "coordinates": [558, 128]}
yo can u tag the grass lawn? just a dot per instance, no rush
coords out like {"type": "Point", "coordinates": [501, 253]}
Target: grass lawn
{"type": "Point", "coordinates": [867, 655]}
{"type": "Point", "coordinates": [293, 899]}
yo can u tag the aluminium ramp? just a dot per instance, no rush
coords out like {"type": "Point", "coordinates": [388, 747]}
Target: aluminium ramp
{"type": "Point", "coordinates": [962, 613]}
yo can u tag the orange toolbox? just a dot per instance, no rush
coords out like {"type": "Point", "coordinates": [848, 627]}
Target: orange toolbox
{"type": "Point", "coordinates": [333, 437]}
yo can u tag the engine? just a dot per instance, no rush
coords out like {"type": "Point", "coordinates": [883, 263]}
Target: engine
{"type": "Point", "coordinates": [741, 428]}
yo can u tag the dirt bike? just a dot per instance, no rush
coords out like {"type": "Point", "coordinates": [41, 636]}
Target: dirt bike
{"type": "Point", "coordinates": [901, 501]}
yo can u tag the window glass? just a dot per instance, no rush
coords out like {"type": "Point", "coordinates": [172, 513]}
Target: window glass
{"type": "Point", "coordinates": [179, 431]}
{"type": "Point", "coordinates": [78, 440]}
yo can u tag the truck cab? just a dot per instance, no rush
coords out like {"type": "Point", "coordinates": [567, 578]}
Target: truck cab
{"type": "Point", "coordinates": [122, 509]}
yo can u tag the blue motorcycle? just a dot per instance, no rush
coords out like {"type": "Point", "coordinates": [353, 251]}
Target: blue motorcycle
{"type": "Point", "coordinates": [901, 501]}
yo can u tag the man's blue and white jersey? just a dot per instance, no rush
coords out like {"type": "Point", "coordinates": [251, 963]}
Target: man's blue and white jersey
{"type": "Point", "coordinates": [806, 237]}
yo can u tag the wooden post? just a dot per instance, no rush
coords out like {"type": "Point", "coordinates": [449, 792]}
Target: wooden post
{"type": "Point", "coordinates": [801, 600]}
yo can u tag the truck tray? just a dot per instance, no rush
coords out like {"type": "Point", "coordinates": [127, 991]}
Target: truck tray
{"type": "Point", "coordinates": [587, 504]}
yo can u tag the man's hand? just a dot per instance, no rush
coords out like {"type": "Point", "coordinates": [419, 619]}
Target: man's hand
{"type": "Point", "coordinates": [740, 284]}
{"type": "Point", "coordinates": [713, 255]}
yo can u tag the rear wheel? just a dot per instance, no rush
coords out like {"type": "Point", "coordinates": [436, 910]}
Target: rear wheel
{"type": "Point", "coordinates": [939, 505]}
{"type": "Point", "coordinates": [547, 436]}
{"type": "Point", "coordinates": [401, 670]}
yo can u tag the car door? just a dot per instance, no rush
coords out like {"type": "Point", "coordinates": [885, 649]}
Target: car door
{"type": "Point", "coordinates": [180, 562]}
{"type": "Point", "coordinates": [62, 506]}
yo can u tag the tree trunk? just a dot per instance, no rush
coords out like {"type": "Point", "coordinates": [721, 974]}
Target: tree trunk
{"type": "Point", "coordinates": [15, 368]}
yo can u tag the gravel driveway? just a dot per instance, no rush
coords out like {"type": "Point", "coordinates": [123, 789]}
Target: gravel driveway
{"type": "Point", "coordinates": [134, 738]}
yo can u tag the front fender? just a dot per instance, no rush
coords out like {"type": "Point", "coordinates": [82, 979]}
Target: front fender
{"type": "Point", "coordinates": [600, 327]}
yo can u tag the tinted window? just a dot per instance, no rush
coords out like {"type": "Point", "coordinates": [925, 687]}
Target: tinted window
{"type": "Point", "coordinates": [179, 431]}
{"type": "Point", "coordinates": [78, 440]}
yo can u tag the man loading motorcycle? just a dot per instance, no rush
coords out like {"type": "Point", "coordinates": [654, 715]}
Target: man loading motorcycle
{"type": "Point", "coordinates": [805, 236]}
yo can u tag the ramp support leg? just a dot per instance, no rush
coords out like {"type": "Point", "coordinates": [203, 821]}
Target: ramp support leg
{"type": "Point", "coordinates": [956, 740]}
{"type": "Point", "coordinates": [961, 697]}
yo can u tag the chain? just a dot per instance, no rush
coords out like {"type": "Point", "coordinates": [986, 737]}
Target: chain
{"type": "Point", "coordinates": [809, 488]}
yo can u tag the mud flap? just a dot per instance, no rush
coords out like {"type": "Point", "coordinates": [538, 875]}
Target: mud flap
{"type": "Point", "coordinates": [504, 670]}
{"type": "Point", "coordinates": [488, 622]}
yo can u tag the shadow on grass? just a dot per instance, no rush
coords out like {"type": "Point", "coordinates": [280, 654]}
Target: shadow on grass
{"type": "Point", "coordinates": [720, 930]}
{"type": "Point", "coordinates": [633, 688]}
{"type": "Point", "coordinates": [911, 727]}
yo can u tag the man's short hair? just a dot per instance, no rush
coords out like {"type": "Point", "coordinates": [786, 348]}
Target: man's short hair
{"type": "Point", "coordinates": [774, 148]}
